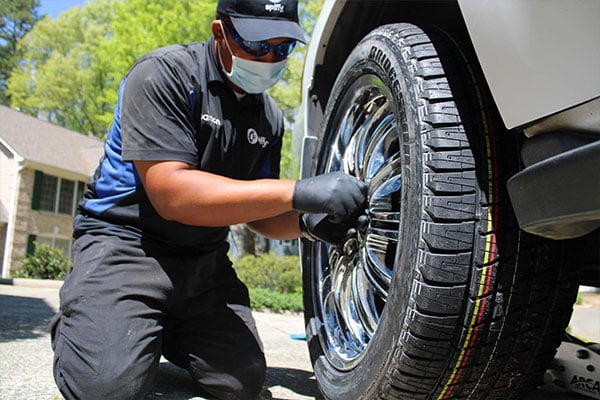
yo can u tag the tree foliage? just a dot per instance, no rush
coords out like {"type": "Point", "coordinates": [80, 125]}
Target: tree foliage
{"type": "Point", "coordinates": [72, 65]}
{"type": "Point", "coordinates": [17, 17]}
{"type": "Point", "coordinates": [61, 76]}
{"type": "Point", "coordinates": [288, 92]}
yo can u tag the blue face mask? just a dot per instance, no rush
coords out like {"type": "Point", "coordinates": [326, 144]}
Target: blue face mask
{"type": "Point", "coordinates": [253, 76]}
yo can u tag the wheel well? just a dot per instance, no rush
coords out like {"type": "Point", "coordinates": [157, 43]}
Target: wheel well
{"type": "Point", "coordinates": [358, 18]}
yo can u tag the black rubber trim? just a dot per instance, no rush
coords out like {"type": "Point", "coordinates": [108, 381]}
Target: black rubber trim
{"type": "Point", "coordinates": [541, 147]}
{"type": "Point", "coordinates": [559, 197]}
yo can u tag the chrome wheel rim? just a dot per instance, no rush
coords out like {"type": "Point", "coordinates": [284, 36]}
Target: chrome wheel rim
{"type": "Point", "coordinates": [351, 282]}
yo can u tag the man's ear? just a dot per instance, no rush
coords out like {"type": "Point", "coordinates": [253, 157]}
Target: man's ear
{"type": "Point", "coordinates": [217, 29]}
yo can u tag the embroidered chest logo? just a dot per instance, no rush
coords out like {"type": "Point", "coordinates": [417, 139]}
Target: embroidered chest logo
{"type": "Point", "coordinates": [275, 6]}
{"type": "Point", "coordinates": [209, 118]}
{"type": "Point", "coordinates": [254, 138]}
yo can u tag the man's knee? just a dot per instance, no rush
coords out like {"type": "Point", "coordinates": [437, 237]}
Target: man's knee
{"type": "Point", "coordinates": [243, 383]}
{"type": "Point", "coordinates": [115, 384]}
{"type": "Point", "coordinates": [252, 379]}
{"type": "Point", "coordinates": [100, 375]}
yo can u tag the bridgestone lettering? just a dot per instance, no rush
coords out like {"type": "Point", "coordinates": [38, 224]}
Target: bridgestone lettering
{"type": "Point", "coordinates": [379, 56]}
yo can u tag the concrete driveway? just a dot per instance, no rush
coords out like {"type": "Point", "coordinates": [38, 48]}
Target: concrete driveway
{"type": "Point", "coordinates": [26, 307]}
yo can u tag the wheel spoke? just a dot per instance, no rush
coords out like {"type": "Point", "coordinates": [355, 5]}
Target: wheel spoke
{"type": "Point", "coordinates": [374, 259]}
{"type": "Point", "coordinates": [356, 333]}
{"type": "Point", "coordinates": [363, 294]}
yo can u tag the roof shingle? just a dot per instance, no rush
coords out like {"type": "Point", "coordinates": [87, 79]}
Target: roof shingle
{"type": "Point", "coordinates": [49, 144]}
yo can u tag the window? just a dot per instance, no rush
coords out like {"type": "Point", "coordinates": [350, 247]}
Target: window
{"type": "Point", "coordinates": [66, 196]}
{"type": "Point", "coordinates": [48, 193]}
{"type": "Point", "coordinates": [56, 195]}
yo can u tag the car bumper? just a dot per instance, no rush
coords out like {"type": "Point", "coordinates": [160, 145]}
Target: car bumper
{"type": "Point", "coordinates": [559, 197]}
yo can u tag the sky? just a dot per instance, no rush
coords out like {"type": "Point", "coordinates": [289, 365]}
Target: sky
{"type": "Point", "coordinates": [55, 7]}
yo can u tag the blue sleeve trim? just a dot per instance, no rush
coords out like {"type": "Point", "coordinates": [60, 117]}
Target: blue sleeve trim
{"type": "Point", "coordinates": [117, 178]}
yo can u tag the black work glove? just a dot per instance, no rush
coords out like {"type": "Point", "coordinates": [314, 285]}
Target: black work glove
{"type": "Point", "coordinates": [320, 227]}
{"type": "Point", "coordinates": [316, 227]}
{"type": "Point", "coordinates": [336, 194]}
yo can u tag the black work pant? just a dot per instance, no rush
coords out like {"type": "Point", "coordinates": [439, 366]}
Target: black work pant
{"type": "Point", "coordinates": [121, 308]}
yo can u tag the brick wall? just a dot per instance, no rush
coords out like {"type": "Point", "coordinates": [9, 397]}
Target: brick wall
{"type": "Point", "coordinates": [35, 222]}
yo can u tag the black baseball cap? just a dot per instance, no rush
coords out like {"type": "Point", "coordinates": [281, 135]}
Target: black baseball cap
{"type": "Point", "coordinates": [257, 20]}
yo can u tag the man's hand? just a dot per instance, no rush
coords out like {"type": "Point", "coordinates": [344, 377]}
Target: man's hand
{"type": "Point", "coordinates": [320, 227]}
{"type": "Point", "coordinates": [336, 194]}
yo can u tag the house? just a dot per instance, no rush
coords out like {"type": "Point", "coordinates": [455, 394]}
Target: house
{"type": "Point", "coordinates": [43, 172]}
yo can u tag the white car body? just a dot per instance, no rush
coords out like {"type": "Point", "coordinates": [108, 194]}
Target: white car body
{"type": "Point", "coordinates": [540, 57]}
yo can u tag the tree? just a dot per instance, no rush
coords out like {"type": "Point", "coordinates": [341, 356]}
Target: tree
{"type": "Point", "coordinates": [140, 26]}
{"type": "Point", "coordinates": [17, 17]}
{"type": "Point", "coordinates": [72, 66]}
{"type": "Point", "coordinates": [60, 77]}
{"type": "Point", "coordinates": [288, 92]}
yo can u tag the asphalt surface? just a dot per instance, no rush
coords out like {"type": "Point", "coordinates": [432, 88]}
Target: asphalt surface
{"type": "Point", "coordinates": [26, 307]}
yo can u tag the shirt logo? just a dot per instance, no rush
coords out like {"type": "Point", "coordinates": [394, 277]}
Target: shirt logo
{"type": "Point", "coordinates": [254, 138]}
{"type": "Point", "coordinates": [275, 6]}
{"type": "Point", "coordinates": [209, 118]}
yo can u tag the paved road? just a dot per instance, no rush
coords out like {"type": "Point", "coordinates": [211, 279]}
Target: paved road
{"type": "Point", "coordinates": [26, 357]}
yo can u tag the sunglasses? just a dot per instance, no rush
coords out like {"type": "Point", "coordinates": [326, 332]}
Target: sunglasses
{"type": "Point", "coordinates": [262, 48]}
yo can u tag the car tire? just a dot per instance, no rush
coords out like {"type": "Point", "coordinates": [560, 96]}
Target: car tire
{"type": "Point", "coordinates": [440, 295]}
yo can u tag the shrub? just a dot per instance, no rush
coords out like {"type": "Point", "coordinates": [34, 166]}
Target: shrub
{"type": "Point", "coordinates": [280, 274]}
{"type": "Point", "coordinates": [265, 299]}
{"type": "Point", "coordinates": [274, 283]}
{"type": "Point", "coordinates": [47, 262]}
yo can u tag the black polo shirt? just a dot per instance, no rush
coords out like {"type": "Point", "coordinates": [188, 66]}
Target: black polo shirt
{"type": "Point", "coordinates": [174, 105]}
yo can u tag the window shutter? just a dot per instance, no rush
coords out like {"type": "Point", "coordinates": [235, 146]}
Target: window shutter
{"type": "Point", "coordinates": [30, 245]}
{"type": "Point", "coordinates": [81, 188]}
{"type": "Point", "coordinates": [37, 190]}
